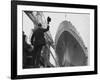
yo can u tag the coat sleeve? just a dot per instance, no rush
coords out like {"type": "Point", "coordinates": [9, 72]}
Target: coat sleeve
{"type": "Point", "coordinates": [32, 38]}
{"type": "Point", "coordinates": [47, 29]}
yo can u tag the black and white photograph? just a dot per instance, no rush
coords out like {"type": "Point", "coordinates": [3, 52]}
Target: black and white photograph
{"type": "Point", "coordinates": [53, 40]}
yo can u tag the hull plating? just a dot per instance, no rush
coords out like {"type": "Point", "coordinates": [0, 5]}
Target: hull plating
{"type": "Point", "coordinates": [70, 49]}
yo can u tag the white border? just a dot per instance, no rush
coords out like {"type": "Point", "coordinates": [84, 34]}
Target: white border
{"type": "Point", "coordinates": [21, 71]}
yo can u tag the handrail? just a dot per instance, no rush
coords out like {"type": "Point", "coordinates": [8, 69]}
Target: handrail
{"type": "Point", "coordinates": [53, 56]}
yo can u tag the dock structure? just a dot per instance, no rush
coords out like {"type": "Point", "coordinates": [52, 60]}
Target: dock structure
{"type": "Point", "coordinates": [38, 17]}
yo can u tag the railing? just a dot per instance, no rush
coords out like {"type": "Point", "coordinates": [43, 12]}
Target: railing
{"type": "Point", "coordinates": [57, 64]}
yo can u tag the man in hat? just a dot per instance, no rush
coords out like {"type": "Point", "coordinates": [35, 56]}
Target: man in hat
{"type": "Point", "coordinates": [39, 42]}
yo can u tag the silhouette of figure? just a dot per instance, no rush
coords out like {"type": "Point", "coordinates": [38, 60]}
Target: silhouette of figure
{"type": "Point", "coordinates": [39, 42]}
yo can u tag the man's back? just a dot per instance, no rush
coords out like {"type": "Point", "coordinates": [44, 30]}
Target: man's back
{"type": "Point", "coordinates": [39, 36]}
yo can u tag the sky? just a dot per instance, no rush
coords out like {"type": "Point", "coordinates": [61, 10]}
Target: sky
{"type": "Point", "coordinates": [80, 21]}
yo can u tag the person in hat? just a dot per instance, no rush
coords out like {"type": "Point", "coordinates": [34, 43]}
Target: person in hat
{"type": "Point", "coordinates": [38, 41]}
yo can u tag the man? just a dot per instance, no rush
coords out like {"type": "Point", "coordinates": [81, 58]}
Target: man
{"type": "Point", "coordinates": [39, 42]}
